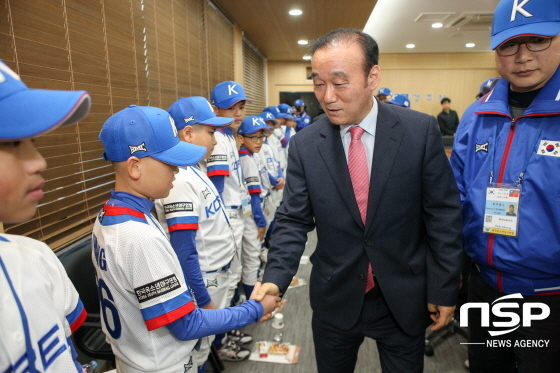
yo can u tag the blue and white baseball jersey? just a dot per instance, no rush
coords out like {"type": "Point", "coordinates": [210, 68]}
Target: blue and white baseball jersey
{"type": "Point", "coordinates": [282, 154]}
{"type": "Point", "coordinates": [194, 203]}
{"type": "Point", "coordinates": [39, 309]}
{"type": "Point", "coordinates": [225, 161]}
{"type": "Point", "coordinates": [252, 168]}
{"type": "Point", "coordinates": [261, 159]}
{"type": "Point", "coordinates": [269, 154]}
{"type": "Point", "coordinates": [142, 287]}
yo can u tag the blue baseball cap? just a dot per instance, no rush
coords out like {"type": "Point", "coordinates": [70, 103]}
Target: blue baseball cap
{"type": "Point", "coordinates": [274, 111]}
{"type": "Point", "coordinates": [30, 112]}
{"type": "Point", "coordinates": [401, 100]}
{"type": "Point", "coordinates": [299, 102]}
{"type": "Point", "coordinates": [286, 110]}
{"type": "Point", "coordinates": [513, 18]}
{"type": "Point", "coordinates": [251, 125]}
{"type": "Point", "coordinates": [146, 131]}
{"type": "Point", "coordinates": [266, 115]}
{"type": "Point", "coordinates": [187, 111]}
{"type": "Point", "coordinates": [228, 93]}
{"type": "Point", "coordinates": [487, 85]}
{"type": "Point", "coordinates": [385, 91]}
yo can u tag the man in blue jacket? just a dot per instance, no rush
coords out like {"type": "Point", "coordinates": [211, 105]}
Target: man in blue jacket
{"type": "Point", "coordinates": [507, 153]}
{"type": "Point", "coordinates": [300, 115]}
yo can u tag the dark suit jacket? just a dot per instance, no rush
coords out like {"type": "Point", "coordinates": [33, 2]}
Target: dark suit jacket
{"type": "Point", "coordinates": [412, 235]}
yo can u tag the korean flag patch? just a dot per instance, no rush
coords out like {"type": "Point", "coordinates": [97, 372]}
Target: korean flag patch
{"type": "Point", "coordinates": [550, 148]}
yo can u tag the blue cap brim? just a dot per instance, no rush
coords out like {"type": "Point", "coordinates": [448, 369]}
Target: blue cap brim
{"type": "Point", "coordinates": [226, 104]}
{"type": "Point", "coordinates": [182, 154]}
{"type": "Point", "coordinates": [217, 121]}
{"type": "Point", "coordinates": [546, 29]}
{"type": "Point", "coordinates": [32, 112]}
{"type": "Point", "coordinates": [288, 116]}
{"type": "Point", "coordinates": [255, 129]}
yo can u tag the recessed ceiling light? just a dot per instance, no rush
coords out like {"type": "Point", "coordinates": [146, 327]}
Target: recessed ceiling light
{"type": "Point", "coordinates": [469, 45]}
{"type": "Point", "coordinates": [306, 57]}
{"type": "Point", "coordinates": [410, 46]}
{"type": "Point", "coordinates": [303, 42]}
{"type": "Point", "coordinates": [295, 12]}
{"type": "Point", "coordinates": [437, 25]}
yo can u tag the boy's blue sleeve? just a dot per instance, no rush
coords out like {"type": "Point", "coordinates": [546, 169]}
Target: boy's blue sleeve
{"type": "Point", "coordinates": [280, 172]}
{"type": "Point", "coordinates": [184, 244]}
{"type": "Point", "coordinates": [219, 182]}
{"type": "Point", "coordinates": [272, 179]}
{"type": "Point", "coordinates": [258, 215]}
{"type": "Point", "coordinates": [201, 323]}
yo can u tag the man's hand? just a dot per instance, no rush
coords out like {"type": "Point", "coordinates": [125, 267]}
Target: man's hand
{"type": "Point", "coordinates": [260, 290]}
{"type": "Point", "coordinates": [440, 315]}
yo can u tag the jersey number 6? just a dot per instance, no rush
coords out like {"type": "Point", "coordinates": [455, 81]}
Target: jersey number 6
{"type": "Point", "coordinates": [107, 304]}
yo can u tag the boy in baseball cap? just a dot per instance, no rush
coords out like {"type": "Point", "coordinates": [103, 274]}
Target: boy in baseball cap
{"type": "Point", "coordinates": [194, 217]}
{"type": "Point", "coordinates": [269, 156]}
{"type": "Point", "coordinates": [507, 144]}
{"type": "Point", "coordinates": [41, 304]}
{"type": "Point", "coordinates": [384, 94]}
{"type": "Point", "coordinates": [400, 100]}
{"type": "Point", "coordinates": [279, 133]}
{"type": "Point", "coordinates": [151, 318]}
{"type": "Point", "coordinates": [228, 100]}
{"type": "Point", "coordinates": [251, 138]}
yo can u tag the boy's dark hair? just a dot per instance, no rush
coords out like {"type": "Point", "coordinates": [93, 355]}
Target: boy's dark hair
{"type": "Point", "coordinates": [368, 44]}
{"type": "Point", "coordinates": [445, 99]}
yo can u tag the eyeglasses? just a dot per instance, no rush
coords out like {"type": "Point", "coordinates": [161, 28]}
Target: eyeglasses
{"type": "Point", "coordinates": [256, 138]}
{"type": "Point", "coordinates": [535, 44]}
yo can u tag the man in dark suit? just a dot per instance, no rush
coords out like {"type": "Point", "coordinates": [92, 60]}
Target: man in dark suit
{"type": "Point", "coordinates": [409, 227]}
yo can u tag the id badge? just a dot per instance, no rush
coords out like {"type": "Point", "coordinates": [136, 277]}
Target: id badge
{"type": "Point", "coordinates": [501, 213]}
{"type": "Point", "coordinates": [246, 204]}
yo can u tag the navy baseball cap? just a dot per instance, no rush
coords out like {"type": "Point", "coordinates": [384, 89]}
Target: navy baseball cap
{"type": "Point", "coordinates": [251, 125]}
{"type": "Point", "coordinates": [274, 111]}
{"type": "Point", "coordinates": [187, 111]}
{"type": "Point", "coordinates": [299, 102]}
{"type": "Point", "coordinates": [385, 91]}
{"type": "Point", "coordinates": [228, 93]}
{"type": "Point", "coordinates": [513, 18]}
{"type": "Point", "coordinates": [400, 100]}
{"type": "Point", "coordinates": [266, 115]}
{"type": "Point", "coordinates": [286, 110]}
{"type": "Point", "coordinates": [30, 112]}
{"type": "Point", "coordinates": [146, 131]}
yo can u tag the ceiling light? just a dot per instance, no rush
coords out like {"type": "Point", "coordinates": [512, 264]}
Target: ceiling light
{"type": "Point", "coordinates": [410, 46]}
{"type": "Point", "coordinates": [437, 25]}
{"type": "Point", "coordinates": [469, 45]}
{"type": "Point", "coordinates": [295, 12]}
{"type": "Point", "coordinates": [306, 57]}
{"type": "Point", "coordinates": [303, 42]}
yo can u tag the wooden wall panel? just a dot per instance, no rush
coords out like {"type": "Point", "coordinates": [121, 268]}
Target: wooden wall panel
{"type": "Point", "coordinates": [143, 52]}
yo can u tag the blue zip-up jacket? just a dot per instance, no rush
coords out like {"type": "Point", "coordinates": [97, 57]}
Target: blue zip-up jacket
{"type": "Point", "coordinates": [529, 263]}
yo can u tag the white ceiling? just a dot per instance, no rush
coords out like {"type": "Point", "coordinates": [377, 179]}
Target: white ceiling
{"type": "Point", "coordinates": [392, 24]}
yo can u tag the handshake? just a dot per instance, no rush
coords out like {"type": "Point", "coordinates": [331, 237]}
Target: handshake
{"type": "Point", "coordinates": [268, 295]}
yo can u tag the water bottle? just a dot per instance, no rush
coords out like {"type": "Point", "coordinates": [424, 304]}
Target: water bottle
{"type": "Point", "coordinates": [90, 367]}
{"type": "Point", "coordinates": [278, 324]}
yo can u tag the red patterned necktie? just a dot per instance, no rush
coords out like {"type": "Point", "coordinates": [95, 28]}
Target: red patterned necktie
{"type": "Point", "coordinates": [358, 167]}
